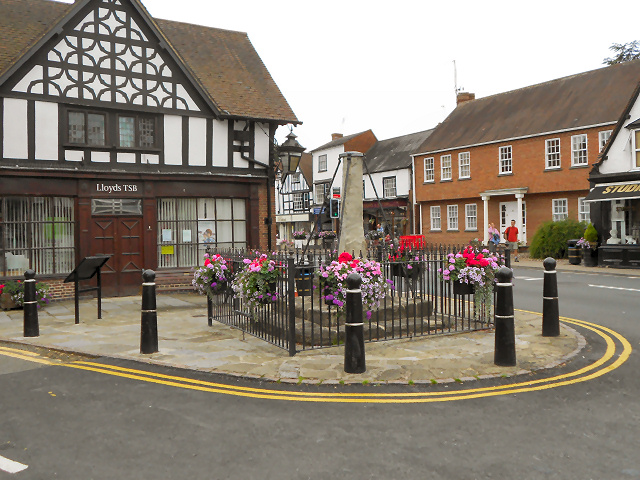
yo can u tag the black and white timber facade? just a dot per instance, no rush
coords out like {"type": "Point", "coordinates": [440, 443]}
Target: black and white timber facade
{"type": "Point", "coordinates": [127, 136]}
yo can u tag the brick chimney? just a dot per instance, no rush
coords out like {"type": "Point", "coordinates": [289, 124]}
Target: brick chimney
{"type": "Point", "coordinates": [336, 136]}
{"type": "Point", "coordinates": [464, 97]}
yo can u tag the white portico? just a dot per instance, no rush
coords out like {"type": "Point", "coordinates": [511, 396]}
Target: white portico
{"type": "Point", "coordinates": [509, 209]}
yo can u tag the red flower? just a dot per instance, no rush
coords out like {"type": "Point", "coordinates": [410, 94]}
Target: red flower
{"type": "Point", "coordinates": [206, 262]}
{"type": "Point", "coordinates": [345, 257]}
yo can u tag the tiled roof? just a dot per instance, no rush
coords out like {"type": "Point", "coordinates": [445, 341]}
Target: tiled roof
{"type": "Point", "coordinates": [582, 100]}
{"type": "Point", "coordinates": [338, 141]}
{"type": "Point", "coordinates": [224, 62]}
{"type": "Point", "coordinates": [395, 153]}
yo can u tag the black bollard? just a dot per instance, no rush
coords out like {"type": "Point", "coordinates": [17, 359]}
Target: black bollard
{"type": "Point", "coordinates": [354, 361]}
{"type": "Point", "coordinates": [31, 327]}
{"type": "Point", "coordinates": [550, 308]}
{"type": "Point", "coordinates": [149, 320]}
{"type": "Point", "coordinates": [505, 349]}
{"type": "Point", "coordinates": [507, 257]}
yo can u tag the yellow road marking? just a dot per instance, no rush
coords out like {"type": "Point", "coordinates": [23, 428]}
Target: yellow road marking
{"type": "Point", "coordinates": [577, 376]}
{"type": "Point", "coordinates": [24, 355]}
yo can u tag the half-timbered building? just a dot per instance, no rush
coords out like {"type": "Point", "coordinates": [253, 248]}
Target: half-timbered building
{"type": "Point", "coordinates": [120, 134]}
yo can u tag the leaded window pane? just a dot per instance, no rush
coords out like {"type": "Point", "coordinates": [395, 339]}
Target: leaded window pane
{"type": "Point", "coordinates": [76, 128]}
{"type": "Point", "coordinates": [127, 131]}
{"type": "Point", "coordinates": [96, 135]}
{"type": "Point", "coordinates": [147, 132]}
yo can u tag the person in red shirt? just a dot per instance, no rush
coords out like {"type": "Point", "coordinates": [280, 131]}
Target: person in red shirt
{"type": "Point", "coordinates": [511, 235]}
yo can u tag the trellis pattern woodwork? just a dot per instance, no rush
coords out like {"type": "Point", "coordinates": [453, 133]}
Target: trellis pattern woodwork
{"type": "Point", "coordinates": [107, 57]}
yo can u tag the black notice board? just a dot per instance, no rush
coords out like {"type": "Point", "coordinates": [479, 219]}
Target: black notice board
{"type": "Point", "coordinates": [87, 268]}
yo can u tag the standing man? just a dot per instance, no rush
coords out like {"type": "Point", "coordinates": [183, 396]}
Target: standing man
{"type": "Point", "coordinates": [511, 236]}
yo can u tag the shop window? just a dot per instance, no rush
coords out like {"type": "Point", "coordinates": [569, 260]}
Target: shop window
{"type": "Point", "coordinates": [436, 222]}
{"type": "Point", "coordinates": [187, 226]}
{"type": "Point", "coordinates": [37, 233]}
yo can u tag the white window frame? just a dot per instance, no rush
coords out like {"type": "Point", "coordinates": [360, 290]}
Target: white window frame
{"type": "Point", "coordinates": [436, 219]}
{"type": "Point", "coordinates": [445, 168]}
{"type": "Point", "coordinates": [603, 137]}
{"type": "Point", "coordinates": [471, 217]}
{"type": "Point", "coordinates": [298, 202]}
{"type": "Point", "coordinates": [579, 150]}
{"type": "Point", "coordinates": [505, 156]}
{"type": "Point", "coordinates": [552, 154]}
{"type": "Point", "coordinates": [389, 189]}
{"type": "Point", "coordinates": [635, 145]}
{"type": "Point", "coordinates": [319, 198]}
{"type": "Point", "coordinates": [584, 210]}
{"type": "Point", "coordinates": [464, 165]}
{"type": "Point", "coordinates": [559, 209]}
{"type": "Point", "coordinates": [452, 217]}
{"type": "Point", "coordinates": [322, 163]}
{"type": "Point", "coordinates": [429, 170]}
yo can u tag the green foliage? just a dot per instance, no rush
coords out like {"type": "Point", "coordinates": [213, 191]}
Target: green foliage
{"type": "Point", "coordinates": [550, 240]}
{"type": "Point", "coordinates": [591, 234]}
{"type": "Point", "coordinates": [16, 290]}
{"type": "Point", "coordinates": [623, 52]}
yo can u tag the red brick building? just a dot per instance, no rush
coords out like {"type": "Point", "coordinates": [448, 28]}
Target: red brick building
{"type": "Point", "coordinates": [523, 155]}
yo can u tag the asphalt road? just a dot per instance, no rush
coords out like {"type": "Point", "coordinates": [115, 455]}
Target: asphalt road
{"type": "Point", "coordinates": [76, 424]}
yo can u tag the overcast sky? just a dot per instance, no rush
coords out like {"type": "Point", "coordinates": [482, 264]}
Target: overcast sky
{"type": "Point", "coordinates": [352, 65]}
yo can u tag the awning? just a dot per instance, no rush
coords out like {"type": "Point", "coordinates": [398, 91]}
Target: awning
{"type": "Point", "coordinates": [619, 191]}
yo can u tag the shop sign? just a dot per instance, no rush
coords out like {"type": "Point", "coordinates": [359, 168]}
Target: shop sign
{"type": "Point", "coordinates": [110, 188]}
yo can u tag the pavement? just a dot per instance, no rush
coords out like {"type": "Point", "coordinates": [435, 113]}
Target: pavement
{"type": "Point", "coordinates": [186, 341]}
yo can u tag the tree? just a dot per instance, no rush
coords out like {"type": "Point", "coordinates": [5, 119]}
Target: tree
{"type": "Point", "coordinates": [624, 52]}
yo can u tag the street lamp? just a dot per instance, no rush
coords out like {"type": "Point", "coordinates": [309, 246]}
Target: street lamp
{"type": "Point", "coordinates": [290, 153]}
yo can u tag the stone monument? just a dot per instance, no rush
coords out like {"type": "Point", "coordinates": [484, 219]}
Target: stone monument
{"type": "Point", "coordinates": [351, 228]}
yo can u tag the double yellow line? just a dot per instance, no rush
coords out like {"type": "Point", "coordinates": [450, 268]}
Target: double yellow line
{"type": "Point", "coordinates": [600, 367]}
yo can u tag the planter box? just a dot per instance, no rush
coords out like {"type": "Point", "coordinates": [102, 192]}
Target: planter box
{"type": "Point", "coordinates": [462, 288]}
{"type": "Point", "coordinates": [589, 257]}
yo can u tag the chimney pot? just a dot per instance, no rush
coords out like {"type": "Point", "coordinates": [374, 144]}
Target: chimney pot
{"type": "Point", "coordinates": [463, 97]}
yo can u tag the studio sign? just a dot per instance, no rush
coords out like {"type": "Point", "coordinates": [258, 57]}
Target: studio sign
{"type": "Point", "coordinates": [116, 188]}
{"type": "Point", "coordinates": [634, 187]}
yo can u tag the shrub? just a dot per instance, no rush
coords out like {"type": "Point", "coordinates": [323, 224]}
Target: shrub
{"type": "Point", "coordinates": [550, 240]}
{"type": "Point", "coordinates": [16, 290]}
{"type": "Point", "coordinates": [591, 234]}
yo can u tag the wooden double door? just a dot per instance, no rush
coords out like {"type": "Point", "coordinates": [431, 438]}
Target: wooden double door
{"type": "Point", "coordinates": [120, 237]}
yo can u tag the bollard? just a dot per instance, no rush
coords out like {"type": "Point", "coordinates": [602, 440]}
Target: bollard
{"type": "Point", "coordinates": [149, 319]}
{"type": "Point", "coordinates": [354, 361]}
{"type": "Point", "coordinates": [505, 348]}
{"type": "Point", "coordinates": [507, 257]}
{"type": "Point", "coordinates": [30, 305]}
{"type": "Point", "coordinates": [209, 311]}
{"type": "Point", "coordinates": [550, 308]}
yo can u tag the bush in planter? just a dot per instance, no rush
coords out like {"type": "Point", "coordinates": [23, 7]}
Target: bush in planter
{"type": "Point", "coordinates": [15, 291]}
{"type": "Point", "coordinates": [550, 240]}
{"type": "Point", "coordinates": [591, 235]}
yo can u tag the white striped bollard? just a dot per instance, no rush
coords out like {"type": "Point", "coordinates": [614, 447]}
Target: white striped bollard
{"type": "Point", "coordinates": [550, 307]}
{"type": "Point", "coordinates": [149, 317]}
{"type": "Point", "coordinates": [354, 360]}
{"type": "Point", "coordinates": [31, 326]}
{"type": "Point", "coordinates": [505, 341]}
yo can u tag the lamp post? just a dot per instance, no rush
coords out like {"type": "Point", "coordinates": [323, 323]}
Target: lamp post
{"type": "Point", "coordinates": [289, 155]}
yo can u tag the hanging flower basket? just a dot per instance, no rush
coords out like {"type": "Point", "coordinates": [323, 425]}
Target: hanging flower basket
{"type": "Point", "coordinates": [211, 279]}
{"type": "Point", "coordinates": [411, 270]}
{"type": "Point", "coordinates": [256, 283]}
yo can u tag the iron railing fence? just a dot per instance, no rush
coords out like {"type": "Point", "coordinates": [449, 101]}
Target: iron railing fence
{"type": "Point", "coordinates": [417, 303]}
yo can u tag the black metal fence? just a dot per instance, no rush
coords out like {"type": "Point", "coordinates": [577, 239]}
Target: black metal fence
{"type": "Point", "coordinates": [417, 302]}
